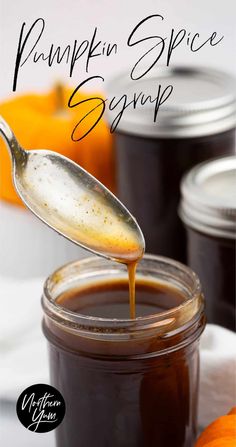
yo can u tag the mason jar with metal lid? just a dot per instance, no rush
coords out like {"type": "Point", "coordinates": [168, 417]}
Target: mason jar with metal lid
{"type": "Point", "coordinates": [208, 209]}
{"type": "Point", "coordinates": [195, 123]}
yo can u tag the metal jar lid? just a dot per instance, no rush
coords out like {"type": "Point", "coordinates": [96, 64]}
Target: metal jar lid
{"type": "Point", "coordinates": [203, 102]}
{"type": "Point", "coordinates": [209, 197]}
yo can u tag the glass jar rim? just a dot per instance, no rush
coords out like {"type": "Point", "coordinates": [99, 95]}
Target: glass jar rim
{"type": "Point", "coordinates": [112, 325]}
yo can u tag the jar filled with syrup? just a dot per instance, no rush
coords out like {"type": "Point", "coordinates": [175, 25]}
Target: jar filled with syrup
{"type": "Point", "coordinates": [195, 123]}
{"type": "Point", "coordinates": [126, 382]}
{"type": "Point", "coordinates": [208, 210]}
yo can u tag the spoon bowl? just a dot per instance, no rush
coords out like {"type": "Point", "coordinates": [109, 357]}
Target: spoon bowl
{"type": "Point", "coordinates": [73, 202]}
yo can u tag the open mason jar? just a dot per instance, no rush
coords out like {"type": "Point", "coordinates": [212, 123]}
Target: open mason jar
{"type": "Point", "coordinates": [126, 382]}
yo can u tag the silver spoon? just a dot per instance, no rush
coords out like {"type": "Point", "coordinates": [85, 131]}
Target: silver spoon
{"type": "Point", "coordinates": [72, 202]}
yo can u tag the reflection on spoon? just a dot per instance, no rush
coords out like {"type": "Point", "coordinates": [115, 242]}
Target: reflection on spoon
{"type": "Point", "coordinates": [73, 202]}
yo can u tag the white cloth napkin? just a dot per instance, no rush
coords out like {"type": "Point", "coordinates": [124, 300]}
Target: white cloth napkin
{"type": "Point", "coordinates": [23, 351]}
{"type": "Point", "coordinates": [217, 373]}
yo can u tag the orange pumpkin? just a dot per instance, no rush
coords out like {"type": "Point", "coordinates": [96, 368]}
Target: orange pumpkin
{"type": "Point", "coordinates": [45, 122]}
{"type": "Point", "coordinates": [220, 433]}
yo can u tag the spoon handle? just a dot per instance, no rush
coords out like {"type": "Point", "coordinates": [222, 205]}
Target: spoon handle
{"type": "Point", "coordinates": [17, 153]}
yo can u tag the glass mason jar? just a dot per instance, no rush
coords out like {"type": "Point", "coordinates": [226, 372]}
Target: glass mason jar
{"type": "Point", "coordinates": [195, 123]}
{"type": "Point", "coordinates": [208, 210]}
{"type": "Point", "coordinates": [129, 383]}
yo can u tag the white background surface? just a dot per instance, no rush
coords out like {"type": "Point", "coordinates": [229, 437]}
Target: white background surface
{"type": "Point", "coordinates": [67, 20]}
